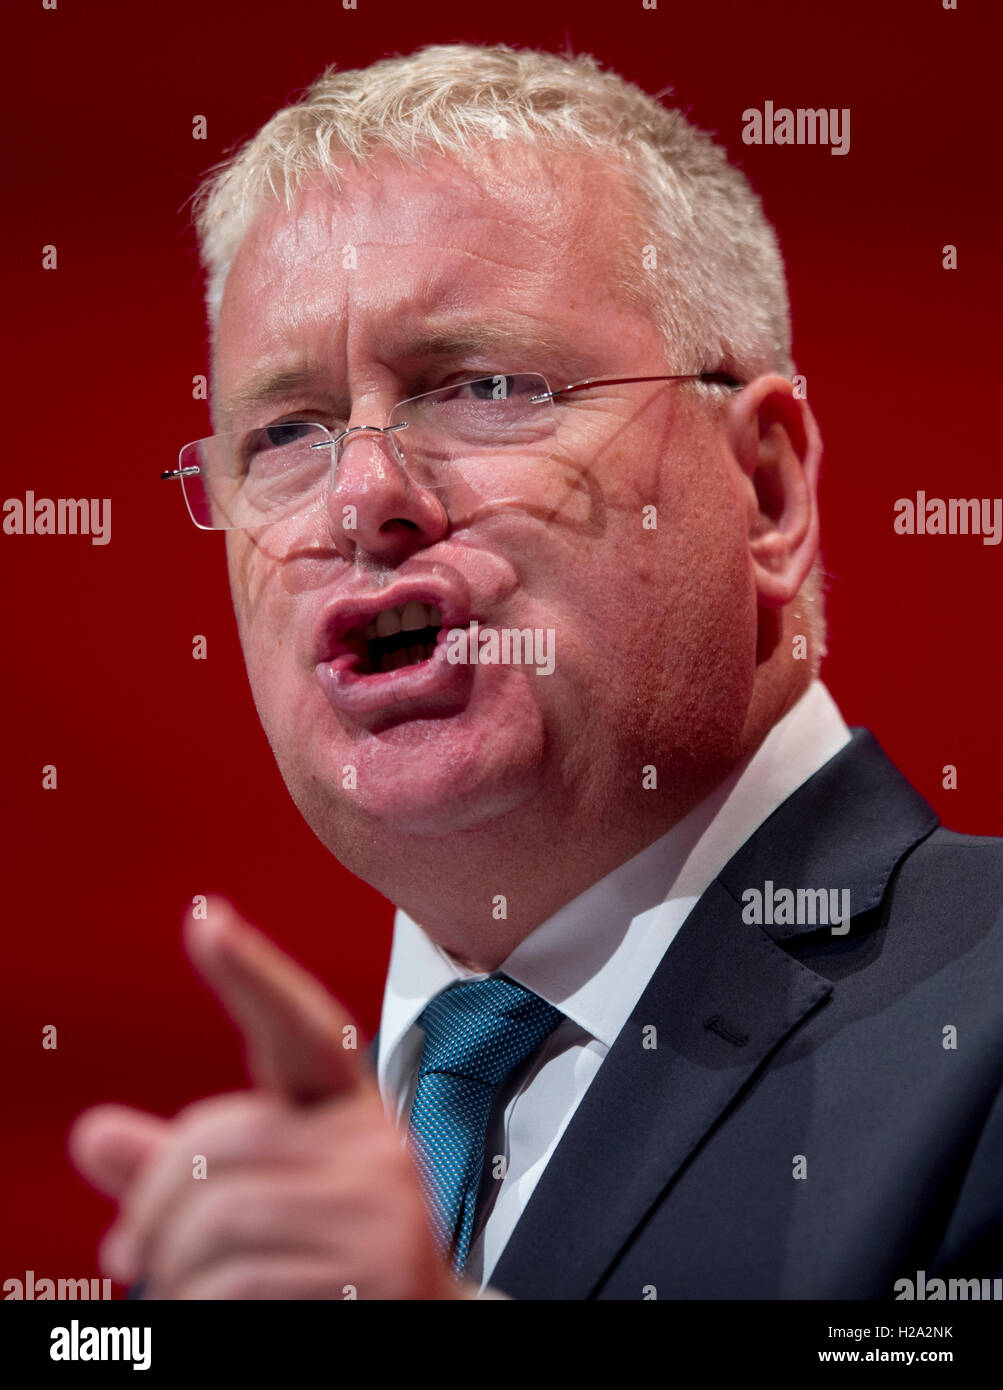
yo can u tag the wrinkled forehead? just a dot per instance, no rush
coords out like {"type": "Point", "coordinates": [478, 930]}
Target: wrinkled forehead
{"type": "Point", "coordinates": [393, 238]}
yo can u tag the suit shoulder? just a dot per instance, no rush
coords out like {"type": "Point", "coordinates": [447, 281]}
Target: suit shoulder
{"type": "Point", "coordinates": [953, 877]}
{"type": "Point", "coordinates": [949, 851]}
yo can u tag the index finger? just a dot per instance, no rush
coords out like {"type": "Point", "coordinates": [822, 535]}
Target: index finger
{"type": "Point", "coordinates": [296, 1033]}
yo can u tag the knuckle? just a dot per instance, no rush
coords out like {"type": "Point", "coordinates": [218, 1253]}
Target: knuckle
{"type": "Point", "coordinates": [234, 1279]}
{"type": "Point", "coordinates": [222, 1211]}
{"type": "Point", "coordinates": [253, 1128]}
{"type": "Point", "coordinates": [249, 1284]}
{"type": "Point", "coordinates": [242, 1123]}
{"type": "Point", "coordinates": [238, 1281]}
{"type": "Point", "coordinates": [382, 1145]}
{"type": "Point", "coordinates": [197, 1111]}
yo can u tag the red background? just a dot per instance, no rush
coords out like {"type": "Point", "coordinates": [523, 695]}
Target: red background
{"type": "Point", "coordinates": [167, 787]}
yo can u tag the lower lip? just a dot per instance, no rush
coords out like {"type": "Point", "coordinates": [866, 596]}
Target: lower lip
{"type": "Point", "coordinates": [435, 682]}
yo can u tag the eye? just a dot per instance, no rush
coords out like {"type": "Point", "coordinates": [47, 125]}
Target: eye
{"type": "Point", "coordinates": [274, 448]}
{"type": "Point", "coordinates": [280, 435]}
{"type": "Point", "coordinates": [272, 440]}
{"type": "Point", "coordinates": [496, 387]}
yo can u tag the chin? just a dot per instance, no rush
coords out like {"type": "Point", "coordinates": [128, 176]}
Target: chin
{"type": "Point", "coordinates": [434, 817]}
{"type": "Point", "coordinates": [423, 790]}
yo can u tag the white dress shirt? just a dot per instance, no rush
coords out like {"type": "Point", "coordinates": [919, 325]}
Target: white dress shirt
{"type": "Point", "coordinates": [592, 960]}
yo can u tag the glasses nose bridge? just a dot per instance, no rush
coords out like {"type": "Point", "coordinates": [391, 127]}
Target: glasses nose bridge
{"type": "Point", "coordinates": [340, 440]}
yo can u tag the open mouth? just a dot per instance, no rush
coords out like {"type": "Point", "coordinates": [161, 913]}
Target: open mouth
{"type": "Point", "coordinates": [397, 637]}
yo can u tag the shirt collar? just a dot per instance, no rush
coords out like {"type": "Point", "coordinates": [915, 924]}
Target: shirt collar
{"type": "Point", "coordinates": [594, 956]}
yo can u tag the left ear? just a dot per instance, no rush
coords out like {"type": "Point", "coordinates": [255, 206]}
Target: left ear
{"type": "Point", "coordinates": [777, 444]}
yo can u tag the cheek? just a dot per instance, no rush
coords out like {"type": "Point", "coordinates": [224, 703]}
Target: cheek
{"type": "Point", "coordinates": [265, 618]}
{"type": "Point", "coordinates": [253, 578]}
{"type": "Point", "coordinates": [703, 520]}
{"type": "Point", "coordinates": [677, 524]}
{"type": "Point", "coordinates": [677, 596]}
{"type": "Point", "coordinates": [707, 580]}
{"type": "Point", "coordinates": [239, 553]}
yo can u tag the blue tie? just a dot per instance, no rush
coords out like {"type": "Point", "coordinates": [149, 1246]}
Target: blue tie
{"type": "Point", "coordinates": [476, 1034]}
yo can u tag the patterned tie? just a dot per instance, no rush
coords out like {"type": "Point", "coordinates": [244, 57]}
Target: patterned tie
{"type": "Point", "coordinates": [476, 1034]}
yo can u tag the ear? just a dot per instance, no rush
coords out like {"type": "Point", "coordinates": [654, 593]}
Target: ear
{"type": "Point", "coordinates": [777, 444]}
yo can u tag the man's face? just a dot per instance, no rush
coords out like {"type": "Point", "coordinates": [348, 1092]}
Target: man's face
{"type": "Point", "coordinates": [653, 627]}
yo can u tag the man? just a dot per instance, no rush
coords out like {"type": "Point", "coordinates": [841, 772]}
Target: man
{"type": "Point", "coordinates": [689, 994]}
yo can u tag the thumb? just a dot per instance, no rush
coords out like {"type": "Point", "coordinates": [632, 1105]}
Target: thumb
{"type": "Point", "coordinates": [292, 1026]}
{"type": "Point", "coordinates": [110, 1143]}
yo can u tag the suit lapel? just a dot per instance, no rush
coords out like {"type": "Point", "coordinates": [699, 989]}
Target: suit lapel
{"type": "Point", "coordinates": [730, 997]}
{"type": "Point", "coordinates": [723, 998]}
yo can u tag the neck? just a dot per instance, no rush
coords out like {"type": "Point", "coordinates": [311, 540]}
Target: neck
{"type": "Point", "coordinates": [478, 902]}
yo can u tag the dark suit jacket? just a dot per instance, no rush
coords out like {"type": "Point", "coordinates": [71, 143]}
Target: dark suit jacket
{"type": "Point", "coordinates": [677, 1170]}
{"type": "Point", "coordinates": [786, 1050]}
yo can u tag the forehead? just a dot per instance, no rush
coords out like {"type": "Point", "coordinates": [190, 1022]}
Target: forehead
{"type": "Point", "coordinates": [536, 238]}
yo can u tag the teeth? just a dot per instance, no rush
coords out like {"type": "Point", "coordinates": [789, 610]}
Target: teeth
{"type": "Point", "coordinates": [410, 618]}
{"type": "Point", "coordinates": [414, 616]}
{"type": "Point", "coordinates": [388, 622]}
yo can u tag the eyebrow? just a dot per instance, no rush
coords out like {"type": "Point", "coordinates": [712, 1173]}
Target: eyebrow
{"type": "Point", "coordinates": [269, 385]}
{"type": "Point", "coordinates": [481, 337]}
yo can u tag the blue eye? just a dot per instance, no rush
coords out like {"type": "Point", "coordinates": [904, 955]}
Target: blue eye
{"type": "Point", "coordinates": [273, 440]}
{"type": "Point", "coordinates": [278, 436]}
{"type": "Point", "coordinates": [275, 448]}
{"type": "Point", "coordinates": [492, 388]}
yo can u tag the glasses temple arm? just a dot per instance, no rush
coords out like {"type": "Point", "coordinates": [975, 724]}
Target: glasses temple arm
{"type": "Point", "coordinates": [710, 378]}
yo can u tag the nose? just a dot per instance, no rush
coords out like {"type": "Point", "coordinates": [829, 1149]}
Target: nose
{"type": "Point", "coordinates": [374, 506]}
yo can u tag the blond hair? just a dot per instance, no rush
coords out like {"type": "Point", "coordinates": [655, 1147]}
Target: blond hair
{"type": "Point", "coordinates": [699, 250]}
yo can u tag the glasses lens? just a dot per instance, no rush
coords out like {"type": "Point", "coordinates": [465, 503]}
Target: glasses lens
{"type": "Point", "coordinates": [256, 477]}
{"type": "Point", "coordinates": [485, 432]}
